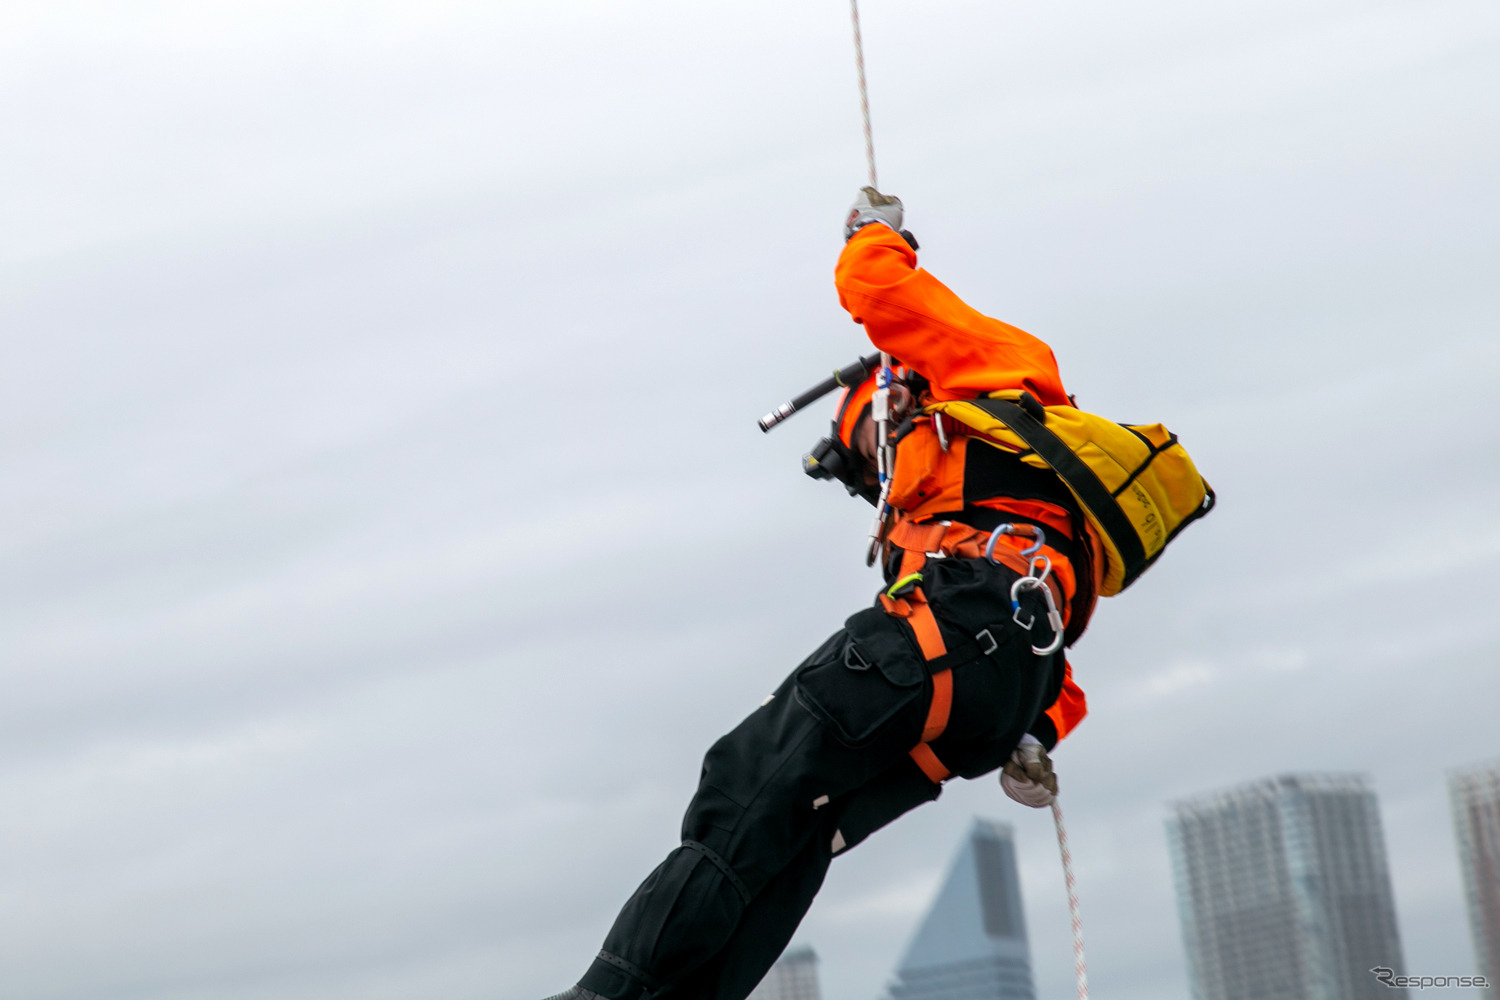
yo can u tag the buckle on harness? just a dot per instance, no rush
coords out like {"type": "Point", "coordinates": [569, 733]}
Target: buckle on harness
{"type": "Point", "coordinates": [987, 639]}
{"type": "Point", "coordinates": [904, 586]}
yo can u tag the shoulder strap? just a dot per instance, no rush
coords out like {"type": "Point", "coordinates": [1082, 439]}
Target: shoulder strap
{"type": "Point", "coordinates": [1082, 480]}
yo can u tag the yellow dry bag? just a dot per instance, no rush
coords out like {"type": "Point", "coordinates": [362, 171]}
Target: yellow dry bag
{"type": "Point", "coordinates": [1136, 484]}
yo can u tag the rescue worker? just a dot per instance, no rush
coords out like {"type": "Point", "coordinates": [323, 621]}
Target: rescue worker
{"type": "Point", "coordinates": [939, 677]}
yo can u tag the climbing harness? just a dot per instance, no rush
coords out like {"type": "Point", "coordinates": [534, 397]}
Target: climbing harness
{"type": "Point", "coordinates": [905, 599]}
{"type": "Point", "coordinates": [1080, 970]}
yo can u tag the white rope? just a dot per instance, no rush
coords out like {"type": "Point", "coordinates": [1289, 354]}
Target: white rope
{"type": "Point", "coordinates": [884, 454]}
{"type": "Point", "coordinates": [1067, 863]}
{"type": "Point", "coordinates": [864, 96]}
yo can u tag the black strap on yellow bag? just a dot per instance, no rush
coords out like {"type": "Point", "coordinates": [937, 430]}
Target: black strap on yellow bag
{"type": "Point", "coordinates": [1136, 483]}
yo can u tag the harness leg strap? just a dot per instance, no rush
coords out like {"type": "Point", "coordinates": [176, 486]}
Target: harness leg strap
{"type": "Point", "coordinates": [918, 614]}
{"type": "Point", "coordinates": [942, 705]}
{"type": "Point", "coordinates": [928, 761]}
{"type": "Point", "coordinates": [937, 721]}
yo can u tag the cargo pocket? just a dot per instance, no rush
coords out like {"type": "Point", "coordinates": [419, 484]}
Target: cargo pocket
{"type": "Point", "coordinates": [862, 677]}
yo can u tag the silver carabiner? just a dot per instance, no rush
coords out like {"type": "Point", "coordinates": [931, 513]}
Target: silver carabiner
{"type": "Point", "coordinates": [1054, 617]}
{"type": "Point", "coordinates": [1038, 569]}
{"type": "Point", "coordinates": [1046, 567]}
{"type": "Point", "coordinates": [1022, 584]}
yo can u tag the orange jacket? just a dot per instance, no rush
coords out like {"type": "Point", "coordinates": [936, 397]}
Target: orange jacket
{"type": "Point", "coordinates": [1066, 712]}
{"type": "Point", "coordinates": [912, 316]}
{"type": "Point", "coordinates": [964, 354]}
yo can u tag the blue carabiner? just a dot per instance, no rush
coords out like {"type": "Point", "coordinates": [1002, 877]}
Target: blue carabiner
{"type": "Point", "coordinates": [1010, 529]}
{"type": "Point", "coordinates": [1041, 539]}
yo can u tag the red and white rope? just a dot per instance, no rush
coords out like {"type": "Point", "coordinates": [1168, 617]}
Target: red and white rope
{"type": "Point", "coordinates": [1067, 863]}
{"type": "Point", "coordinates": [864, 96]}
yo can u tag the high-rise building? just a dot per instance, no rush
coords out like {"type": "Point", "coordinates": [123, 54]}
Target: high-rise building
{"type": "Point", "coordinates": [793, 977]}
{"type": "Point", "coordinates": [1283, 891]}
{"type": "Point", "coordinates": [1475, 796]}
{"type": "Point", "coordinates": [972, 943]}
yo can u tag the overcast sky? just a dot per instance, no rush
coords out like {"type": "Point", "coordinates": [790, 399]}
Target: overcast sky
{"type": "Point", "coordinates": [385, 532]}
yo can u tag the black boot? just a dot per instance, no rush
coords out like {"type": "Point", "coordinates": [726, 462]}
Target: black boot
{"type": "Point", "coordinates": [576, 993]}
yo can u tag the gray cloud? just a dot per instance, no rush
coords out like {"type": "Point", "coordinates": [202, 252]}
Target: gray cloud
{"type": "Point", "coordinates": [385, 534]}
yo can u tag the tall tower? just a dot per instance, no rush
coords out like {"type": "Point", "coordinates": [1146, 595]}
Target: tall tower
{"type": "Point", "coordinates": [1475, 796]}
{"type": "Point", "coordinates": [793, 977]}
{"type": "Point", "coordinates": [1283, 891]}
{"type": "Point", "coordinates": [972, 943]}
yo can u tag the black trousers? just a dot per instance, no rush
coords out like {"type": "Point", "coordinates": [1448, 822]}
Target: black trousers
{"type": "Point", "coordinates": [813, 772]}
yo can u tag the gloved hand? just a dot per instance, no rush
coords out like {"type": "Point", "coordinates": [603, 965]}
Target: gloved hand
{"type": "Point", "coordinates": [872, 206]}
{"type": "Point", "coordinates": [1027, 777]}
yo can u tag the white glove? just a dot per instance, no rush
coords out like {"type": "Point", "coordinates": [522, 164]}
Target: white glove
{"type": "Point", "coordinates": [872, 206]}
{"type": "Point", "coordinates": [1027, 777]}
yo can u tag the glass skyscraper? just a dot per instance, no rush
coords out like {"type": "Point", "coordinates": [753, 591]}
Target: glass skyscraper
{"type": "Point", "coordinates": [1283, 891]}
{"type": "Point", "coordinates": [972, 943]}
{"type": "Point", "coordinates": [793, 977]}
{"type": "Point", "coordinates": [1475, 797]}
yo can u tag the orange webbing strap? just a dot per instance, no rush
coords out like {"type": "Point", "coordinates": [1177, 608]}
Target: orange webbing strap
{"type": "Point", "coordinates": [918, 614]}
{"type": "Point", "coordinates": [925, 625]}
{"type": "Point", "coordinates": [956, 539]}
{"type": "Point", "coordinates": [937, 721]}
{"type": "Point", "coordinates": [949, 539]}
{"type": "Point", "coordinates": [942, 704]}
{"type": "Point", "coordinates": [929, 763]}
{"type": "Point", "coordinates": [912, 561]}
{"type": "Point", "coordinates": [925, 537]}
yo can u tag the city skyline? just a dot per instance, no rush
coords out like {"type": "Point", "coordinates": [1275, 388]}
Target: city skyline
{"type": "Point", "coordinates": [1474, 794]}
{"type": "Point", "coordinates": [1285, 832]}
{"type": "Point", "coordinates": [1283, 890]}
{"type": "Point", "coordinates": [793, 977]}
{"type": "Point", "coordinates": [971, 944]}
